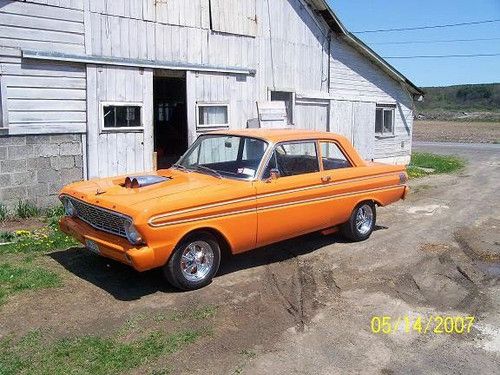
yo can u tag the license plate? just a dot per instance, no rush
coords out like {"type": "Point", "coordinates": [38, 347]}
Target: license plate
{"type": "Point", "coordinates": [93, 247]}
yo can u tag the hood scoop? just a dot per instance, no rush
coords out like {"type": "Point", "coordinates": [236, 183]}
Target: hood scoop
{"type": "Point", "coordinates": [142, 181]}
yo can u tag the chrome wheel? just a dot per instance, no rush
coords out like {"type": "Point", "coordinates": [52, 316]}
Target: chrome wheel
{"type": "Point", "coordinates": [197, 261]}
{"type": "Point", "coordinates": [364, 219]}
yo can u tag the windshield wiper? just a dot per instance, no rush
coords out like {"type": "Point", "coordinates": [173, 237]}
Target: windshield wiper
{"type": "Point", "coordinates": [213, 172]}
{"type": "Point", "coordinates": [180, 167]}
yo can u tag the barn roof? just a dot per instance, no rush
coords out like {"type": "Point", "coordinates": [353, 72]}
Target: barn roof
{"type": "Point", "coordinates": [336, 25]}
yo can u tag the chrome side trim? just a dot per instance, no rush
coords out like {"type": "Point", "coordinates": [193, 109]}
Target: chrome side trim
{"type": "Point", "coordinates": [265, 208]}
{"type": "Point", "coordinates": [261, 196]}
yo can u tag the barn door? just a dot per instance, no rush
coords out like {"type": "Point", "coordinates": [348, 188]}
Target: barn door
{"type": "Point", "coordinates": [341, 118]}
{"type": "Point", "coordinates": [120, 128]}
{"type": "Point", "coordinates": [311, 114]}
{"type": "Point", "coordinates": [364, 129]}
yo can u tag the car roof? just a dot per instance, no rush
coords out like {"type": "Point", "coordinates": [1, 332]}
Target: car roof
{"type": "Point", "coordinates": [278, 135]}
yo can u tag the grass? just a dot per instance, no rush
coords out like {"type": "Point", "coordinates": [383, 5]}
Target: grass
{"type": "Point", "coordinates": [201, 313]}
{"type": "Point", "coordinates": [16, 279]}
{"type": "Point", "coordinates": [87, 354]}
{"type": "Point", "coordinates": [4, 213]}
{"type": "Point", "coordinates": [27, 209]}
{"type": "Point", "coordinates": [437, 164]}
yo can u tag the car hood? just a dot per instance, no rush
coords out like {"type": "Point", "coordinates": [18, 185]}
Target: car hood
{"type": "Point", "coordinates": [180, 190]}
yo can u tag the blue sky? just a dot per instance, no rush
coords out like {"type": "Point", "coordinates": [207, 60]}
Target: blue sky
{"type": "Point", "coordinates": [382, 14]}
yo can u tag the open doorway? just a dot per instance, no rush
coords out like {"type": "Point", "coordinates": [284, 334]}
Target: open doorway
{"type": "Point", "coordinates": [170, 117]}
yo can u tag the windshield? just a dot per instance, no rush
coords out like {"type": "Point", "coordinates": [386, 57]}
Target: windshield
{"type": "Point", "coordinates": [225, 156]}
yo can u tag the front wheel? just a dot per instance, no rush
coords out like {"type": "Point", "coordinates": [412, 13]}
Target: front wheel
{"type": "Point", "coordinates": [361, 223]}
{"type": "Point", "coordinates": [194, 263]}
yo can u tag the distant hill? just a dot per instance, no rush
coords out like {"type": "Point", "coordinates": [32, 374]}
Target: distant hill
{"type": "Point", "coordinates": [461, 102]}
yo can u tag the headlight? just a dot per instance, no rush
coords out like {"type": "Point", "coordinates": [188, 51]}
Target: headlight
{"type": "Point", "coordinates": [69, 209]}
{"type": "Point", "coordinates": [133, 236]}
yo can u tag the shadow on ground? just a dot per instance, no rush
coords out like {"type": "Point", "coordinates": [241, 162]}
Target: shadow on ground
{"type": "Point", "coordinates": [126, 284]}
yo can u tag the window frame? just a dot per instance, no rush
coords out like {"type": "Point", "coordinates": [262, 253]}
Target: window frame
{"type": "Point", "coordinates": [4, 113]}
{"type": "Point", "coordinates": [122, 129]}
{"type": "Point", "coordinates": [204, 127]}
{"type": "Point", "coordinates": [385, 108]}
{"type": "Point", "coordinates": [346, 155]}
{"type": "Point", "coordinates": [276, 145]}
{"type": "Point", "coordinates": [291, 120]}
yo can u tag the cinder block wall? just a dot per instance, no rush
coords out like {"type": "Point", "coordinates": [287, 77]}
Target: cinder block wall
{"type": "Point", "coordinates": [35, 167]}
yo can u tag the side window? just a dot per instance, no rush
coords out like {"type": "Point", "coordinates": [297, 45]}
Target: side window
{"type": "Point", "coordinates": [292, 159]}
{"type": "Point", "coordinates": [333, 157]}
{"type": "Point", "coordinates": [384, 120]}
{"type": "Point", "coordinates": [118, 116]}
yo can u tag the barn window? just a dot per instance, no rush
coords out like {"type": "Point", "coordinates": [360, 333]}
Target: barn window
{"type": "Point", "coordinates": [121, 116]}
{"type": "Point", "coordinates": [213, 115]}
{"type": "Point", "coordinates": [234, 17]}
{"type": "Point", "coordinates": [384, 120]}
{"type": "Point", "coordinates": [287, 97]}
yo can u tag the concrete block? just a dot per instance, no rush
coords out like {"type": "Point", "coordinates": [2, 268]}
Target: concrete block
{"type": "Point", "coordinates": [20, 152]}
{"type": "Point", "coordinates": [62, 162]}
{"type": "Point", "coordinates": [37, 190]}
{"type": "Point", "coordinates": [11, 166]}
{"type": "Point", "coordinates": [14, 193]}
{"type": "Point", "coordinates": [5, 180]}
{"type": "Point", "coordinates": [23, 178]}
{"type": "Point", "coordinates": [48, 176]}
{"type": "Point", "coordinates": [71, 148]}
{"type": "Point", "coordinates": [46, 150]}
{"type": "Point", "coordinates": [71, 175]}
{"type": "Point", "coordinates": [3, 153]}
{"type": "Point", "coordinates": [12, 140]}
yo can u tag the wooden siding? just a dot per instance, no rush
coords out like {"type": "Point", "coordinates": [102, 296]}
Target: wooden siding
{"type": "Point", "coordinates": [356, 79]}
{"type": "Point", "coordinates": [42, 97]}
{"type": "Point", "coordinates": [29, 25]}
{"type": "Point", "coordinates": [112, 153]}
{"type": "Point", "coordinates": [234, 16]}
{"type": "Point", "coordinates": [311, 114]}
{"type": "Point", "coordinates": [192, 13]}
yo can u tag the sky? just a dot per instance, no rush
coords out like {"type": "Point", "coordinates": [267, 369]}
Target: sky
{"type": "Point", "coordinates": [361, 15]}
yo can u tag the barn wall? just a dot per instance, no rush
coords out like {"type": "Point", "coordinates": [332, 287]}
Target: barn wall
{"type": "Point", "coordinates": [41, 96]}
{"type": "Point", "coordinates": [355, 79]}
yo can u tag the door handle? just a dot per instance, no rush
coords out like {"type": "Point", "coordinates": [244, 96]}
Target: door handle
{"type": "Point", "coordinates": [326, 179]}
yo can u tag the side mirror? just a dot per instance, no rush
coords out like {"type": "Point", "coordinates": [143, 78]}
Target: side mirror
{"type": "Point", "coordinates": [274, 174]}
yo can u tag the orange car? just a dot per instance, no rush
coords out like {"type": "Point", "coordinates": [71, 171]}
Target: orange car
{"type": "Point", "coordinates": [232, 191]}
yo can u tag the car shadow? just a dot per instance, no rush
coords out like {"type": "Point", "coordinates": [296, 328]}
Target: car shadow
{"type": "Point", "coordinates": [126, 284]}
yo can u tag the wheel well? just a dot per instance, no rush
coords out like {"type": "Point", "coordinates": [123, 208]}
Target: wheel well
{"type": "Point", "coordinates": [221, 239]}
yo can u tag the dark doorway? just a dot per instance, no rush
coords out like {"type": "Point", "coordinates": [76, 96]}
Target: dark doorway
{"type": "Point", "coordinates": [170, 119]}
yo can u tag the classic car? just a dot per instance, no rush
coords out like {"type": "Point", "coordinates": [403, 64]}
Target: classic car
{"type": "Point", "coordinates": [231, 192]}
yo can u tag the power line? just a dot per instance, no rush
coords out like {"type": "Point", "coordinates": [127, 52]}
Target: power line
{"type": "Point", "coordinates": [427, 27]}
{"type": "Point", "coordinates": [434, 41]}
{"type": "Point", "coordinates": [441, 56]}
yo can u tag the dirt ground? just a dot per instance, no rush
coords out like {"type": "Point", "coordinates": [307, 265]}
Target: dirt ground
{"type": "Point", "coordinates": [304, 306]}
{"type": "Point", "coordinates": [457, 131]}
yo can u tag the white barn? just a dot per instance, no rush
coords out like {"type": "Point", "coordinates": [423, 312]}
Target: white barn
{"type": "Point", "coordinates": [92, 88]}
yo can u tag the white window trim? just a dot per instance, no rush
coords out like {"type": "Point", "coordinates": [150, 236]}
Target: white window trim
{"type": "Point", "coordinates": [4, 114]}
{"type": "Point", "coordinates": [294, 99]}
{"type": "Point", "coordinates": [386, 107]}
{"type": "Point", "coordinates": [123, 128]}
{"type": "Point", "coordinates": [212, 126]}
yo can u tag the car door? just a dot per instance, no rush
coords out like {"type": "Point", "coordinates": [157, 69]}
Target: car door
{"type": "Point", "coordinates": [338, 173]}
{"type": "Point", "coordinates": [289, 202]}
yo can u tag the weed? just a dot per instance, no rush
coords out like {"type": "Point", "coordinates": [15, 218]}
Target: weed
{"type": "Point", "coordinates": [196, 314]}
{"type": "Point", "coordinates": [4, 212]}
{"type": "Point", "coordinates": [6, 237]}
{"type": "Point", "coordinates": [14, 279]}
{"type": "Point", "coordinates": [88, 354]}
{"type": "Point", "coordinates": [26, 209]}
{"type": "Point", "coordinates": [424, 164]}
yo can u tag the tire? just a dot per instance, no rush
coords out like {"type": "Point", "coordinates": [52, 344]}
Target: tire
{"type": "Point", "coordinates": [358, 228]}
{"type": "Point", "coordinates": [194, 262]}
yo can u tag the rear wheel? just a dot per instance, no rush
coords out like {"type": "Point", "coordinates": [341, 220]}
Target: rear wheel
{"type": "Point", "coordinates": [194, 263]}
{"type": "Point", "coordinates": [361, 223]}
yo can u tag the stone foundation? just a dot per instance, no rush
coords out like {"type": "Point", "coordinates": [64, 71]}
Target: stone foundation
{"type": "Point", "coordinates": [36, 167]}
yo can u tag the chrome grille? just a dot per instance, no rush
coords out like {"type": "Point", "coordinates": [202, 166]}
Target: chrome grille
{"type": "Point", "coordinates": [100, 218]}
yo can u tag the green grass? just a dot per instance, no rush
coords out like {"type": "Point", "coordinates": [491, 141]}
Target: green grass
{"type": "Point", "coordinates": [201, 313]}
{"type": "Point", "coordinates": [4, 213]}
{"type": "Point", "coordinates": [438, 163]}
{"type": "Point", "coordinates": [27, 209]}
{"type": "Point", "coordinates": [16, 279]}
{"type": "Point", "coordinates": [87, 354]}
